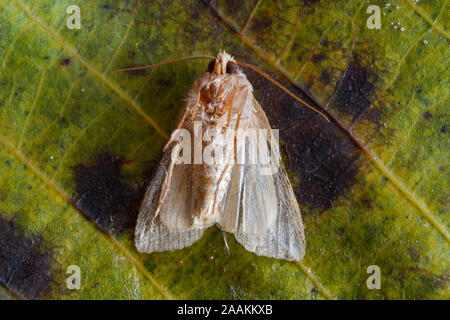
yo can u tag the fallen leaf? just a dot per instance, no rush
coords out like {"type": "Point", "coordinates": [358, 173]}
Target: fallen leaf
{"type": "Point", "coordinates": [78, 143]}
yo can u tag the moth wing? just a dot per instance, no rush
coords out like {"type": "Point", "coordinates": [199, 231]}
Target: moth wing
{"type": "Point", "coordinates": [171, 226]}
{"type": "Point", "coordinates": [261, 210]}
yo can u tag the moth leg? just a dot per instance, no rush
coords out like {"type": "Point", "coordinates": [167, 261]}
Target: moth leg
{"type": "Point", "coordinates": [228, 117]}
{"type": "Point", "coordinates": [239, 113]}
{"type": "Point", "coordinates": [180, 124]}
{"type": "Point", "coordinates": [228, 106]}
{"type": "Point", "coordinates": [235, 135]}
{"type": "Point", "coordinates": [197, 102]}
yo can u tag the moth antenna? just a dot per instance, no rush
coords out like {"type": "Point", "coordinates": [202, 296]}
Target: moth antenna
{"type": "Point", "coordinates": [238, 62]}
{"type": "Point", "coordinates": [279, 85]}
{"type": "Point", "coordinates": [164, 63]}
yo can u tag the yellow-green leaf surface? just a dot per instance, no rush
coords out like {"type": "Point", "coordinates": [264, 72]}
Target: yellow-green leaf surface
{"type": "Point", "coordinates": [78, 143]}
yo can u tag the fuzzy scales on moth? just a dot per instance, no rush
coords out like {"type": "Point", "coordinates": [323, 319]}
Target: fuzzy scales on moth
{"type": "Point", "coordinates": [183, 200]}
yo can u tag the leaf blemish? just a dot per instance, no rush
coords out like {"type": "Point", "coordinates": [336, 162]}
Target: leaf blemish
{"type": "Point", "coordinates": [427, 115]}
{"type": "Point", "coordinates": [355, 93]}
{"type": "Point", "coordinates": [310, 2]}
{"type": "Point", "coordinates": [318, 57]}
{"type": "Point", "coordinates": [25, 266]}
{"type": "Point", "coordinates": [261, 25]}
{"type": "Point", "coordinates": [104, 196]}
{"type": "Point", "coordinates": [319, 154]}
{"type": "Point", "coordinates": [325, 77]}
{"type": "Point", "coordinates": [65, 62]}
{"type": "Point", "coordinates": [414, 253]}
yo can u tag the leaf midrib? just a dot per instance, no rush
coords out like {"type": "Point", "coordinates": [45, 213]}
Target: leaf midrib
{"type": "Point", "coordinates": [427, 19]}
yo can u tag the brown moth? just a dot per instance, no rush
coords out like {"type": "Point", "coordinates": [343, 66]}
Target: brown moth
{"type": "Point", "coordinates": [185, 198]}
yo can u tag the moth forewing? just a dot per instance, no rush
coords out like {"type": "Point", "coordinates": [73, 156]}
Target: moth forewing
{"type": "Point", "coordinates": [230, 189]}
{"type": "Point", "coordinates": [267, 220]}
{"type": "Point", "coordinates": [153, 231]}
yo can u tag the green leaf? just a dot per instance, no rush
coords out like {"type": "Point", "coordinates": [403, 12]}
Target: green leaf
{"type": "Point", "coordinates": [78, 142]}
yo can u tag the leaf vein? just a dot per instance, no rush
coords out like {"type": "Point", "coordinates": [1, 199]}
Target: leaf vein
{"type": "Point", "coordinates": [427, 19]}
{"type": "Point", "coordinates": [122, 94]}
{"type": "Point", "coordinates": [27, 120]}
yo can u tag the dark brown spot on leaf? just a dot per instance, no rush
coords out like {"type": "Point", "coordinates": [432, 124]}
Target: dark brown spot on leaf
{"type": "Point", "coordinates": [340, 231]}
{"type": "Point", "coordinates": [443, 129]}
{"type": "Point", "coordinates": [261, 24]}
{"type": "Point", "coordinates": [325, 77]}
{"type": "Point", "coordinates": [414, 254]}
{"type": "Point", "coordinates": [355, 92]}
{"type": "Point", "coordinates": [104, 196]}
{"type": "Point", "coordinates": [310, 2]}
{"type": "Point", "coordinates": [318, 57]}
{"type": "Point", "coordinates": [65, 62]}
{"type": "Point", "coordinates": [106, 6]}
{"type": "Point", "coordinates": [427, 115]}
{"type": "Point", "coordinates": [25, 265]}
{"type": "Point", "coordinates": [164, 82]}
{"type": "Point", "coordinates": [321, 156]}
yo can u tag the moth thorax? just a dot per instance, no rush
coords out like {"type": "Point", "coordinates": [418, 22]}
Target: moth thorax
{"type": "Point", "coordinates": [215, 99]}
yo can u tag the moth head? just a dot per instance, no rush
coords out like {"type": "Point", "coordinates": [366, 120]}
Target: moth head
{"type": "Point", "coordinates": [223, 64]}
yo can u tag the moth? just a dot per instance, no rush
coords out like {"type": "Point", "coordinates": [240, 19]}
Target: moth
{"type": "Point", "coordinates": [184, 199]}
